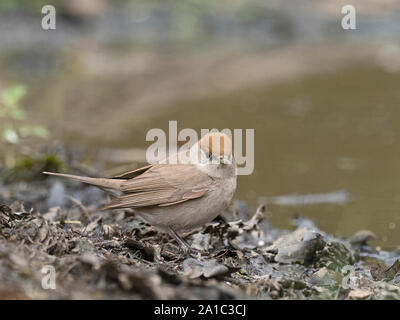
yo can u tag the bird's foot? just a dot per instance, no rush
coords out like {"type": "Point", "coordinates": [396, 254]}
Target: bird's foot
{"type": "Point", "coordinates": [185, 248]}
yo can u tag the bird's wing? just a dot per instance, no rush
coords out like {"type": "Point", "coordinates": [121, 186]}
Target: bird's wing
{"type": "Point", "coordinates": [133, 173]}
{"type": "Point", "coordinates": [162, 185]}
{"type": "Point", "coordinates": [139, 171]}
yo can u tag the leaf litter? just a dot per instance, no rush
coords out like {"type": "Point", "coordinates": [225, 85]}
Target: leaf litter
{"type": "Point", "coordinates": [111, 255]}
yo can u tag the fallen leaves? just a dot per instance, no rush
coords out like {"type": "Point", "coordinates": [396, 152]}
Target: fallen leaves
{"type": "Point", "coordinates": [380, 273]}
{"type": "Point", "coordinates": [194, 268]}
{"type": "Point", "coordinates": [114, 255]}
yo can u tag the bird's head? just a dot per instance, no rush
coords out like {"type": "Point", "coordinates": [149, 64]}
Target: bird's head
{"type": "Point", "coordinates": [216, 147]}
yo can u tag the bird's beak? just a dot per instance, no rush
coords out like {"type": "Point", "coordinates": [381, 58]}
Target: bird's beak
{"type": "Point", "coordinates": [224, 160]}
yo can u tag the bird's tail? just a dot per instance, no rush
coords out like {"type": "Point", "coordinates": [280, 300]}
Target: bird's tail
{"type": "Point", "coordinates": [98, 182]}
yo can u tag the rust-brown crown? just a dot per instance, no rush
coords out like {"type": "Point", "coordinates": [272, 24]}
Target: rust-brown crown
{"type": "Point", "coordinates": [217, 144]}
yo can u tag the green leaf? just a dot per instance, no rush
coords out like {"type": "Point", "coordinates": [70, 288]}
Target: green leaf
{"type": "Point", "coordinates": [11, 136]}
{"type": "Point", "coordinates": [38, 131]}
{"type": "Point", "coordinates": [12, 96]}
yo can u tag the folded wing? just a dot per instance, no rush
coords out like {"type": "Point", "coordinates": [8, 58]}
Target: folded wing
{"type": "Point", "coordinates": [162, 185]}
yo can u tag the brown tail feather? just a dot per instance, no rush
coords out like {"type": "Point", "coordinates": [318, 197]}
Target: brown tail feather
{"type": "Point", "coordinates": [98, 182]}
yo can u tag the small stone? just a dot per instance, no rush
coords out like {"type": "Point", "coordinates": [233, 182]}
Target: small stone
{"type": "Point", "coordinates": [359, 294]}
{"type": "Point", "coordinates": [325, 277]}
{"type": "Point", "coordinates": [362, 237]}
{"type": "Point", "coordinates": [299, 246]}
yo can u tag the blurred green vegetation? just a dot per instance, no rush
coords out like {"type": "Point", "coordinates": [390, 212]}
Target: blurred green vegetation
{"type": "Point", "coordinates": [32, 5]}
{"type": "Point", "coordinates": [187, 6]}
{"type": "Point", "coordinates": [15, 126]}
{"type": "Point", "coordinates": [30, 168]}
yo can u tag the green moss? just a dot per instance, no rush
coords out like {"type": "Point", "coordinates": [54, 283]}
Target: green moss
{"type": "Point", "coordinates": [293, 284]}
{"type": "Point", "coordinates": [242, 273]}
{"type": "Point", "coordinates": [30, 168]}
{"type": "Point", "coordinates": [334, 256]}
{"type": "Point", "coordinates": [29, 5]}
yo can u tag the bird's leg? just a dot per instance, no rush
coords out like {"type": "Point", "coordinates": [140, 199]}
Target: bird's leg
{"type": "Point", "coordinates": [182, 243]}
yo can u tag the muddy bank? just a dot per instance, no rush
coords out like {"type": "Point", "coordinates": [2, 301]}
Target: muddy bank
{"type": "Point", "coordinates": [98, 255]}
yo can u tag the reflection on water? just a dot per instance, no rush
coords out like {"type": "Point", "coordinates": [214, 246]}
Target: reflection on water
{"type": "Point", "coordinates": [337, 197]}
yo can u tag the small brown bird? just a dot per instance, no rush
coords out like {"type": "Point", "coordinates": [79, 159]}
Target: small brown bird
{"type": "Point", "coordinates": [177, 197]}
